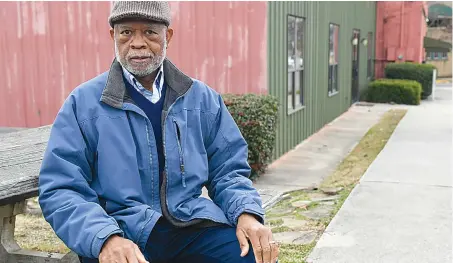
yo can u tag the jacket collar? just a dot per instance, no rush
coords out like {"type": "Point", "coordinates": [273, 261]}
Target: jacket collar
{"type": "Point", "coordinates": [115, 93]}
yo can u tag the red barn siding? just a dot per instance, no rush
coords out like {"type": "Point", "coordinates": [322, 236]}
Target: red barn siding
{"type": "Point", "coordinates": [400, 28]}
{"type": "Point", "coordinates": [222, 43]}
{"type": "Point", "coordinates": [48, 48]}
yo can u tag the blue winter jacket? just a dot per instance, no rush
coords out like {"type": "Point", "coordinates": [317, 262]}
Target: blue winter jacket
{"type": "Point", "coordinates": [100, 175]}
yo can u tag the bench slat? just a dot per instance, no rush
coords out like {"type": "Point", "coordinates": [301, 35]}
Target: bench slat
{"type": "Point", "coordinates": [20, 160]}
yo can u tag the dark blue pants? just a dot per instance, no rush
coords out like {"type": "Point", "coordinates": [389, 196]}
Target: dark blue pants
{"type": "Point", "coordinates": [168, 244]}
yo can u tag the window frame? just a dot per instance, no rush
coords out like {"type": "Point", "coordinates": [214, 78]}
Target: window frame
{"type": "Point", "coordinates": [333, 67]}
{"type": "Point", "coordinates": [297, 100]}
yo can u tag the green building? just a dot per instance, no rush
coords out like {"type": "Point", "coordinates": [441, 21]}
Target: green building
{"type": "Point", "coordinates": [320, 59]}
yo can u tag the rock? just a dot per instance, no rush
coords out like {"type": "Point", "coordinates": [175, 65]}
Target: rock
{"type": "Point", "coordinates": [317, 213]}
{"type": "Point", "coordinates": [301, 204]}
{"type": "Point", "coordinates": [294, 223]}
{"type": "Point", "coordinates": [286, 237]}
{"type": "Point", "coordinates": [281, 210]}
{"type": "Point", "coordinates": [332, 191]}
{"type": "Point", "coordinates": [325, 199]}
{"type": "Point", "coordinates": [33, 208]}
{"type": "Point", "coordinates": [295, 237]}
{"type": "Point", "coordinates": [329, 203]}
{"type": "Point", "coordinates": [307, 238]}
{"type": "Point", "coordinates": [316, 195]}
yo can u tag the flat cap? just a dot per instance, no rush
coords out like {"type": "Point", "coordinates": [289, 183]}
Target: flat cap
{"type": "Point", "coordinates": [148, 10]}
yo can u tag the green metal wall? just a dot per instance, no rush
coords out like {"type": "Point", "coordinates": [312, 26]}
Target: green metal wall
{"type": "Point", "coordinates": [319, 109]}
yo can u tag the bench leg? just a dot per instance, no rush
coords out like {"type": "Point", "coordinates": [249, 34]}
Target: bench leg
{"type": "Point", "coordinates": [10, 251]}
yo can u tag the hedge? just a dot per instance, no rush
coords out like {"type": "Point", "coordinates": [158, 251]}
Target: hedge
{"type": "Point", "coordinates": [422, 73]}
{"type": "Point", "coordinates": [256, 117]}
{"type": "Point", "coordinates": [394, 90]}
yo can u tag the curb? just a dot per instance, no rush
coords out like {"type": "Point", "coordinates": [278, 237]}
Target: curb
{"type": "Point", "coordinates": [443, 81]}
{"type": "Point", "coordinates": [275, 199]}
{"type": "Point", "coordinates": [282, 195]}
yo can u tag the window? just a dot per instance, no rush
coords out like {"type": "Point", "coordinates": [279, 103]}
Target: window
{"type": "Point", "coordinates": [333, 59]}
{"type": "Point", "coordinates": [370, 55]}
{"type": "Point", "coordinates": [296, 31]}
{"type": "Point", "coordinates": [437, 56]}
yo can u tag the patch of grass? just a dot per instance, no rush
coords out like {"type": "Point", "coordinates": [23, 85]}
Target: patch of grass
{"type": "Point", "coordinates": [299, 194]}
{"type": "Point", "coordinates": [283, 204]}
{"type": "Point", "coordinates": [34, 233]}
{"type": "Point", "coordinates": [280, 229]}
{"type": "Point", "coordinates": [301, 217]}
{"type": "Point", "coordinates": [276, 222]}
{"type": "Point", "coordinates": [292, 253]}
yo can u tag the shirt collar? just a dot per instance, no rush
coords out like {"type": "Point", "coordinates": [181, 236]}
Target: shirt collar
{"type": "Point", "coordinates": [158, 82]}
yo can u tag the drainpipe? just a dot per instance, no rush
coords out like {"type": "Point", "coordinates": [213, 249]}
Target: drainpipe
{"type": "Point", "coordinates": [401, 25]}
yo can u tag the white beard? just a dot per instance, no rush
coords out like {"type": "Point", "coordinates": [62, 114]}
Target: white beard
{"type": "Point", "coordinates": [156, 62]}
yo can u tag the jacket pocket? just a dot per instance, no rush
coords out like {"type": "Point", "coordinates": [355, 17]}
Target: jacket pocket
{"type": "Point", "coordinates": [181, 152]}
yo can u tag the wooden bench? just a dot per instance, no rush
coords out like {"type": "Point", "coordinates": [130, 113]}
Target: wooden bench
{"type": "Point", "coordinates": [20, 160]}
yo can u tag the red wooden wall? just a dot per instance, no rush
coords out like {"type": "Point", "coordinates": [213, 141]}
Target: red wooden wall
{"type": "Point", "coordinates": [48, 48]}
{"type": "Point", "coordinates": [222, 43]}
{"type": "Point", "coordinates": [400, 29]}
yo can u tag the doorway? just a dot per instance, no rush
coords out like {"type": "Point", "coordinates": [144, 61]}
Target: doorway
{"type": "Point", "coordinates": [355, 94]}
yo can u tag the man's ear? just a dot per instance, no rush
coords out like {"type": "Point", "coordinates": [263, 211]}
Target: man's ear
{"type": "Point", "coordinates": [112, 33]}
{"type": "Point", "coordinates": [169, 35]}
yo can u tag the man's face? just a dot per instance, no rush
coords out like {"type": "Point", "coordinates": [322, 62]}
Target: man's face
{"type": "Point", "coordinates": [140, 47]}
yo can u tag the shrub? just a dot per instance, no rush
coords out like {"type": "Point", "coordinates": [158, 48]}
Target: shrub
{"type": "Point", "coordinates": [256, 116]}
{"type": "Point", "coordinates": [422, 73]}
{"type": "Point", "coordinates": [394, 90]}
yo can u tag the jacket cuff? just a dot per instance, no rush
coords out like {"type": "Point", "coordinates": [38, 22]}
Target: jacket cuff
{"type": "Point", "coordinates": [102, 236]}
{"type": "Point", "coordinates": [250, 208]}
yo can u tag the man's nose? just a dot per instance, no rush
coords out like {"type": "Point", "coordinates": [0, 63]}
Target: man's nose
{"type": "Point", "coordinates": [138, 42]}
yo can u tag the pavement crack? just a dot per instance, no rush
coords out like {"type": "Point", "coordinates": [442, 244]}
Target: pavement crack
{"type": "Point", "coordinates": [407, 183]}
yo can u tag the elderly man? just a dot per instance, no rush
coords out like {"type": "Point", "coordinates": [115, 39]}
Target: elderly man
{"type": "Point", "coordinates": [130, 151]}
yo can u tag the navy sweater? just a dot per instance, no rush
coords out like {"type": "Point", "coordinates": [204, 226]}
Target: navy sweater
{"type": "Point", "coordinates": [154, 113]}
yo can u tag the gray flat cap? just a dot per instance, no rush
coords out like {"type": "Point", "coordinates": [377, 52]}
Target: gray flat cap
{"type": "Point", "coordinates": [149, 10]}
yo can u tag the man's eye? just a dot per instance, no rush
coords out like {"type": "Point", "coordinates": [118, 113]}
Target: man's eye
{"type": "Point", "coordinates": [126, 32]}
{"type": "Point", "coordinates": [150, 32]}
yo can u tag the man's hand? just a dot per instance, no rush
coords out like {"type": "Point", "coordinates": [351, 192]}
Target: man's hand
{"type": "Point", "coordinates": [264, 246]}
{"type": "Point", "coordinates": [120, 250]}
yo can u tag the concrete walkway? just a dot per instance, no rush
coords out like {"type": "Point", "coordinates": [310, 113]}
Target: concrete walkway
{"type": "Point", "coordinates": [8, 129]}
{"type": "Point", "coordinates": [315, 159]}
{"type": "Point", "coordinates": [402, 209]}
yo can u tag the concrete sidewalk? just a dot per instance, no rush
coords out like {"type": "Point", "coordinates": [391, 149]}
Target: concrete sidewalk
{"type": "Point", "coordinates": [8, 129]}
{"type": "Point", "coordinates": [315, 159]}
{"type": "Point", "coordinates": [402, 209]}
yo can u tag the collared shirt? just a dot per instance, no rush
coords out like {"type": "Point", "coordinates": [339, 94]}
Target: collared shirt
{"type": "Point", "coordinates": [153, 96]}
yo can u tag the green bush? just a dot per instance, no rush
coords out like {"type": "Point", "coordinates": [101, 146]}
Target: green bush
{"type": "Point", "coordinates": [422, 73]}
{"type": "Point", "coordinates": [394, 90]}
{"type": "Point", "coordinates": [256, 116]}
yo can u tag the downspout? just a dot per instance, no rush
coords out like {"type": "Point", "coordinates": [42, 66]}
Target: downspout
{"type": "Point", "coordinates": [401, 25]}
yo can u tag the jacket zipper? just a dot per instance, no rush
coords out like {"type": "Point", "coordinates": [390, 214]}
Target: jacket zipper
{"type": "Point", "coordinates": [150, 159]}
{"type": "Point", "coordinates": [163, 192]}
{"type": "Point", "coordinates": [181, 156]}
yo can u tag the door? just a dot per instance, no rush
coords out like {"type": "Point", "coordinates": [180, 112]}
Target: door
{"type": "Point", "coordinates": [355, 96]}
